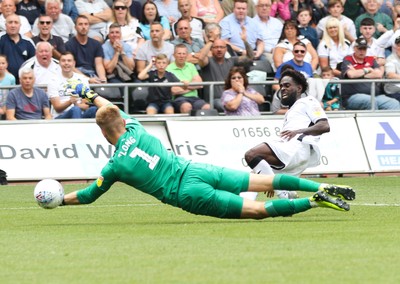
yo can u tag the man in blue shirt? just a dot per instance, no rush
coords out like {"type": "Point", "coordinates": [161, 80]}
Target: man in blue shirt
{"type": "Point", "coordinates": [298, 63]}
{"type": "Point", "coordinates": [238, 22]}
{"type": "Point", "coordinates": [16, 47]}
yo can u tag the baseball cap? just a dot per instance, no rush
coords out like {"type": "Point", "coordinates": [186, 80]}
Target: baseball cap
{"type": "Point", "coordinates": [361, 43]}
{"type": "Point", "coordinates": [397, 40]}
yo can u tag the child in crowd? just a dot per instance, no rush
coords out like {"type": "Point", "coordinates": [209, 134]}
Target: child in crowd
{"type": "Point", "coordinates": [331, 98]}
{"type": "Point", "coordinates": [304, 17]}
{"type": "Point", "coordinates": [160, 98]}
{"type": "Point", "coordinates": [281, 8]}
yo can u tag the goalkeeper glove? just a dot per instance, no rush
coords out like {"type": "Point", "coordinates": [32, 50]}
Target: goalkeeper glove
{"type": "Point", "coordinates": [76, 88]}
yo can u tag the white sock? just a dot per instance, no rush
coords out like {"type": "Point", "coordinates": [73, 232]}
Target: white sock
{"type": "Point", "coordinates": [261, 168]}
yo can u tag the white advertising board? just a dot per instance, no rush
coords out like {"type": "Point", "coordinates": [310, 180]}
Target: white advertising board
{"type": "Point", "coordinates": [225, 142]}
{"type": "Point", "coordinates": [381, 136]}
{"type": "Point", "coordinates": [55, 150]}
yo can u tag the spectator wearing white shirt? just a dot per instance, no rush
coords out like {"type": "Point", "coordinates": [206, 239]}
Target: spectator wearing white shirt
{"type": "Point", "coordinates": [64, 106]}
{"type": "Point", "coordinates": [333, 47]}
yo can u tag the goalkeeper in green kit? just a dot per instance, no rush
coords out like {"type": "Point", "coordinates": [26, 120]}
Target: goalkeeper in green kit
{"type": "Point", "coordinates": [141, 161]}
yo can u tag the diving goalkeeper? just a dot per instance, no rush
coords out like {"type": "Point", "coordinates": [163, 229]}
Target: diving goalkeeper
{"type": "Point", "coordinates": [141, 161]}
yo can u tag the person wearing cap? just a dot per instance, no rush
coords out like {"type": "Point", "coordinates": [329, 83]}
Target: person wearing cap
{"type": "Point", "coordinates": [367, 30]}
{"type": "Point", "coordinates": [357, 96]}
{"type": "Point", "coordinates": [392, 70]}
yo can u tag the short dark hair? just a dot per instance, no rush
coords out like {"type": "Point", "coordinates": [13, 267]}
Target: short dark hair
{"type": "Point", "coordinates": [367, 22]}
{"type": "Point", "coordinates": [297, 77]}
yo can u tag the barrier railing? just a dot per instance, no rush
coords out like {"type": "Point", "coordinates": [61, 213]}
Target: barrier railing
{"type": "Point", "coordinates": [127, 86]}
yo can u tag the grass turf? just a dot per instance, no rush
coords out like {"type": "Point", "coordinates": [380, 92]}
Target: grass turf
{"type": "Point", "coordinates": [129, 237]}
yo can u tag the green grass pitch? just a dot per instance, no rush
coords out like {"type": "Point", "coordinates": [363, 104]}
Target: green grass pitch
{"type": "Point", "coordinates": [129, 237]}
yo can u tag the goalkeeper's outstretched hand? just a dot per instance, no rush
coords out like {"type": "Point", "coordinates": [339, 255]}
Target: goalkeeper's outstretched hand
{"type": "Point", "coordinates": [78, 89]}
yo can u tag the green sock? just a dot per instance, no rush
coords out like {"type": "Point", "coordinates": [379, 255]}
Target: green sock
{"type": "Point", "coordinates": [286, 207]}
{"type": "Point", "coordinates": [292, 183]}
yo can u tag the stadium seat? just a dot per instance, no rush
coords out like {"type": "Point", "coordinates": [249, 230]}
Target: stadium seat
{"type": "Point", "coordinates": [138, 101]}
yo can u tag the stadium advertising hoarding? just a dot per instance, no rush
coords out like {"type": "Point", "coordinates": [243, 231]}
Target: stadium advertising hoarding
{"type": "Point", "coordinates": [77, 150]}
{"type": "Point", "coordinates": [225, 142]}
{"type": "Point", "coordinates": [69, 150]}
{"type": "Point", "coordinates": [381, 136]}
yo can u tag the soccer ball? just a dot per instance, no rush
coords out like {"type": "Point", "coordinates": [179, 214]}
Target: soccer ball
{"type": "Point", "coordinates": [49, 193]}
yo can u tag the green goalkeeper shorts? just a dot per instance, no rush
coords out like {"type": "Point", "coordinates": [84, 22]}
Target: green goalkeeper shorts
{"type": "Point", "coordinates": [213, 191]}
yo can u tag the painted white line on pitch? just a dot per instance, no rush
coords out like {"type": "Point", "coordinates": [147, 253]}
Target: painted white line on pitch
{"type": "Point", "coordinates": [375, 204]}
{"type": "Point", "coordinates": [89, 206]}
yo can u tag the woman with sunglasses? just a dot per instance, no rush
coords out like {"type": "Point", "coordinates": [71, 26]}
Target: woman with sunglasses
{"type": "Point", "coordinates": [283, 51]}
{"type": "Point", "coordinates": [149, 15]}
{"type": "Point", "coordinates": [131, 33]}
{"type": "Point", "coordinates": [333, 46]}
{"type": "Point", "coordinates": [238, 98]}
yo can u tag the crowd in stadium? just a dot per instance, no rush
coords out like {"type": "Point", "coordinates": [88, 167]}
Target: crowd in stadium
{"type": "Point", "coordinates": [52, 42]}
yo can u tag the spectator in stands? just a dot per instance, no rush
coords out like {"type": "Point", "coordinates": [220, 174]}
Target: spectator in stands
{"type": "Point", "coordinates": [160, 98]}
{"type": "Point", "coordinates": [118, 57]}
{"type": "Point", "coordinates": [272, 28]}
{"type": "Point", "coordinates": [98, 14]}
{"type": "Point", "coordinates": [27, 101]}
{"type": "Point", "coordinates": [236, 23]}
{"type": "Point", "coordinates": [281, 9]}
{"type": "Point", "coordinates": [392, 70]}
{"type": "Point", "coordinates": [88, 52]}
{"type": "Point", "coordinates": [45, 25]}
{"type": "Point", "coordinates": [238, 98]}
{"type": "Point", "coordinates": [227, 7]}
{"type": "Point", "coordinates": [352, 9]}
{"type": "Point", "coordinates": [357, 96]}
{"type": "Point", "coordinates": [30, 9]}
{"type": "Point", "coordinates": [367, 30]}
{"type": "Point", "coordinates": [16, 47]}
{"type": "Point", "coordinates": [131, 33]}
{"type": "Point", "coordinates": [8, 7]}
{"type": "Point", "coordinates": [215, 67]}
{"type": "Point", "coordinates": [336, 9]}
{"type": "Point", "coordinates": [331, 99]}
{"type": "Point", "coordinates": [298, 63]}
{"type": "Point", "coordinates": [283, 51]}
{"type": "Point", "coordinates": [63, 26]}
{"type": "Point", "coordinates": [149, 15]}
{"type": "Point", "coordinates": [69, 9]}
{"type": "Point", "coordinates": [168, 9]}
{"type": "Point", "coordinates": [188, 99]}
{"type": "Point", "coordinates": [316, 6]}
{"type": "Point", "coordinates": [135, 8]}
{"type": "Point", "coordinates": [210, 11]}
{"type": "Point", "coordinates": [383, 21]}
{"type": "Point", "coordinates": [333, 47]}
{"type": "Point", "coordinates": [304, 18]}
{"type": "Point", "coordinates": [184, 37]}
{"type": "Point", "coordinates": [277, 107]}
{"type": "Point", "coordinates": [6, 79]}
{"type": "Point", "coordinates": [151, 48]}
{"type": "Point", "coordinates": [62, 105]}
{"type": "Point", "coordinates": [196, 24]}
{"type": "Point", "coordinates": [213, 30]}
{"type": "Point", "coordinates": [45, 68]}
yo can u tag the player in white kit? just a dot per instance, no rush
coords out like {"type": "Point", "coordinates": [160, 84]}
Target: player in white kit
{"type": "Point", "coordinates": [297, 148]}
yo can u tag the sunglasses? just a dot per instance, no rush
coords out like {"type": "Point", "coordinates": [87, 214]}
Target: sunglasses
{"type": "Point", "coordinates": [299, 51]}
{"type": "Point", "coordinates": [236, 77]}
{"type": "Point", "coordinates": [45, 22]}
{"type": "Point", "coordinates": [120, 7]}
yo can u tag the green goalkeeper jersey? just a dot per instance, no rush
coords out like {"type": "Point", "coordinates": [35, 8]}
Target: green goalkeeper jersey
{"type": "Point", "coordinates": [140, 160]}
